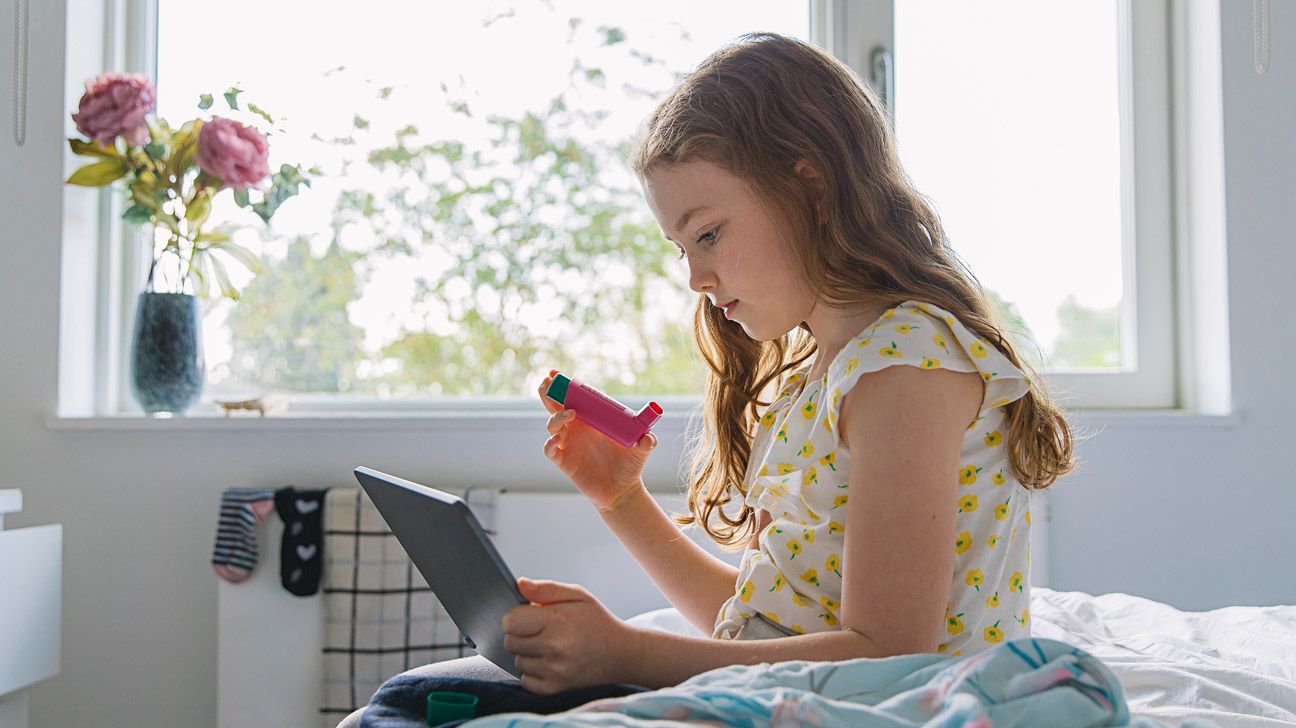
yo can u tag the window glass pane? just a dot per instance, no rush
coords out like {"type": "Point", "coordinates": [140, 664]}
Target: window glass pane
{"type": "Point", "coordinates": [475, 224]}
{"type": "Point", "coordinates": [1008, 119]}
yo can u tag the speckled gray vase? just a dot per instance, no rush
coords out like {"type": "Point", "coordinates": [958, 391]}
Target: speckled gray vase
{"type": "Point", "coordinates": [167, 366]}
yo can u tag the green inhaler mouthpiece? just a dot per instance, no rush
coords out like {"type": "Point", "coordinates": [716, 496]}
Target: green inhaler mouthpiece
{"type": "Point", "coordinates": [557, 390]}
{"type": "Point", "coordinates": [447, 706]}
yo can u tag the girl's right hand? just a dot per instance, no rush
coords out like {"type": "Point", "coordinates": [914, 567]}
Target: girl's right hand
{"type": "Point", "coordinates": [603, 470]}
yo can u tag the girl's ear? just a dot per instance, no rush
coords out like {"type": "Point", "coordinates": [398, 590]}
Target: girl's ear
{"type": "Point", "coordinates": [814, 183]}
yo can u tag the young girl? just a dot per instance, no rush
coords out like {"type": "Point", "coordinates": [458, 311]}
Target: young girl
{"type": "Point", "coordinates": [883, 491]}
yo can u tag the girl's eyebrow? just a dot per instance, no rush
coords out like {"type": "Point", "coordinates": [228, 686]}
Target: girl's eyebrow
{"type": "Point", "coordinates": [684, 218]}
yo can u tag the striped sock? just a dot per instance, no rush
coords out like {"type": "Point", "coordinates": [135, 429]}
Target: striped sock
{"type": "Point", "coordinates": [242, 509]}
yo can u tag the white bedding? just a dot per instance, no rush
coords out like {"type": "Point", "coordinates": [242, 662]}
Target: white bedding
{"type": "Point", "coordinates": [1235, 666]}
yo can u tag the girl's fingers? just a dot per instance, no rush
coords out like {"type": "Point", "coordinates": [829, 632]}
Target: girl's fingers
{"type": "Point", "coordinates": [559, 420]}
{"type": "Point", "coordinates": [549, 404]}
{"type": "Point", "coordinates": [551, 447]}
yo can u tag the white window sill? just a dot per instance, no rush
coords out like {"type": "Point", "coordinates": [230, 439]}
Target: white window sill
{"type": "Point", "coordinates": [434, 420]}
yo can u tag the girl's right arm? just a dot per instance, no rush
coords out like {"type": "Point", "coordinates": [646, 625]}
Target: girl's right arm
{"type": "Point", "coordinates": [609, 475]}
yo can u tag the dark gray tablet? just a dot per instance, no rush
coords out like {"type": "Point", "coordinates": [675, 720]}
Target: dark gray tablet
{"type": "Point", "coordinates": [454, 554]}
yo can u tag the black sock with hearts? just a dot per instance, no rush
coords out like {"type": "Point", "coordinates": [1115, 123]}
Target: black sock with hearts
{"type": "Point", "coordinates": [301, 553]}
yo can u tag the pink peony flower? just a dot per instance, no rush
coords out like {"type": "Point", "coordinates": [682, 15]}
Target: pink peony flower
{"type": "Point", "coordinates": [115, 104]}
{"type": "Point", "coordinates": [235, 153]}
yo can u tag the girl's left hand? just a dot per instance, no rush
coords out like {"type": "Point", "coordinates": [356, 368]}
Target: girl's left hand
{"type": "Point", "coordinates": [567, 639]}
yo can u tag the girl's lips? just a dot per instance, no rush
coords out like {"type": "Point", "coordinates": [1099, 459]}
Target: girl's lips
{"type": "Point", "coordinates": [728, 308]}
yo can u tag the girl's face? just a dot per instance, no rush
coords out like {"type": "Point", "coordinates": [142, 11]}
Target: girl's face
{"type": "Point", "coordinates": [736, 255]}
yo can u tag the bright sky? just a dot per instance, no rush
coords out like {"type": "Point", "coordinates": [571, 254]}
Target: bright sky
{"type": "Point", "coordinates": [1008, 125]}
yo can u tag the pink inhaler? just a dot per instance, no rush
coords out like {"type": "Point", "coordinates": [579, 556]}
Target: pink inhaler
{"type": "Point", "coordinates": [601, 412]}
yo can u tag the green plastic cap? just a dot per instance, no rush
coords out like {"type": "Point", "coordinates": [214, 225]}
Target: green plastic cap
{"type": "Point", "coordinates": [447, 706]}
{"type": "Point", "coordinates": [557, 390]}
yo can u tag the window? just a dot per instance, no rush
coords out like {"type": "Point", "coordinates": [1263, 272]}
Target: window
{"type": "Point", "coordinates": [473, 224]}
{"type": "Point", "coordinates": [430, 264]}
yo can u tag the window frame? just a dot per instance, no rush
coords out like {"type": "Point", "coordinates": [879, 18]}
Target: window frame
{"type": "Point", "coordinates": [849, 30]}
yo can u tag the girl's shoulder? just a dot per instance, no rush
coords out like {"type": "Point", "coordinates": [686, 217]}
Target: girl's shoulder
{"type": "Point", "coordinates": [928, 337]}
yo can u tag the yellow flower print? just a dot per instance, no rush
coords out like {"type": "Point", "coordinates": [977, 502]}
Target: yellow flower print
{"type": "Point", "coordinates": [890, 313]}
{"type": "Point", "coordinates": [993, 600]}
{"type": "Point", "coordinates": [942, 647]}
{"type": "Point", "coordinates": [784, 468]}
{"type": "Point", "coordinates": [835, 527]}
{"type": "Point", "coordinates": [987, 376]}
{"type": "Point", "coordinates": [763, 471]}
{"type": "Point", "coordinates": [828, 422]}
{"type": "Point", "coordinates": [851, 366]}
{"type": "Point", "coordinates": [810, 577]}
{"type": "Point", "coordinates": [810, 512]}
{"type": "Point", "coordinates": [993, 633]}
{"type": "Point", "coordinates": [974, 579]}
{"type": "Point", "coordinates": [1015, 582]}
{"type": "Point", "coordinates": [829, 619]}
{"type": "Point", "coordinates": [890, 352]}
{"type": "Point", "coordinates": [773, 529]}
{"type": "Point", "coordinates": [994, 439]}
{"type": "Point", "coordinates": [797, 628]}
{"type": "Point", "coordinates": [1001, 510]}
{"type": "Point", "coordinates": [963, 542]}
{"type": "Point", "coordinates": [864, 343]}
{"type": "Point", "coordinates": [777, 490]}
{"type": "Point", "coordinates": [993, 541]}
{"type": "Point", "coordinates": [904, 329]}
{"type": "Point", "coordinates": [830, 460]}
{"type": "Point", "coordinates": [782, 434]}
{"type": "Point", "coordinates": [999, 403]}
{"type": "Point", "coordinates": [967, 504]}
{"type": "Point", "coordinates": [953, 624]}
{"type": "Point", "coordinates": [997, 478]}
{"type": "Point", "coordinates": [836, 398]}
{"type": "Point", "coordinates": [799, 600]}
{"type": "Point", "coordinates": [839, 502]}
{"type": "Point", "coordinates": [808, 535]}
{"type": "Point", "coordinates": [811, 476]}
{"type": "Point", "coordinates": [795, 547]}
{"type": "Point", "coordinates": [1024, 619]}
{"type": "Point", "coordinates": [1012, 536]}
{"type": "Point", "coordinates": [833, 564]}
{"type": "Point", "coordinates": [767, 420]}
{"type": "Point", "coordinates": [829, 603]}
{"type": "Point", "coordinates": [806, 450]}
{"type": "Point", "coordinates": [978, 349]}
{"type": "Point", "coordinates": [746, 592]}
{"type": "Point", "coordinates": [808, 411]}
{"type": "Point", "coordinates": [967, 476]}
{"type": "Point", "coordinates": [939, 340]}
{"type": "Point", "coordinates": [1028, 518]}
{"type": "Point", "coordinates": [949, 321]}
{"type": "Point", "coordinates": [929, 363]}
{"type": "Point", "coordinates": [974, 422]}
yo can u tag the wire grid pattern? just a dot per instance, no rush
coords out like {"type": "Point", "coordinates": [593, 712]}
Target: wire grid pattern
{"type": "Point", "coordinates": [380, 616]}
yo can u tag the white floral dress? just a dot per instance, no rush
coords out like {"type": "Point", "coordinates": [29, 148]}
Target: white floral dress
{"type": "Point", "coordinates": [799, 473]}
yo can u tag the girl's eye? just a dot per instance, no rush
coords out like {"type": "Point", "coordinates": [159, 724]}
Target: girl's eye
{"type": "Point", "coordinates": [710, 235]}
{"type": "Point", "coordinates": [681, 255]}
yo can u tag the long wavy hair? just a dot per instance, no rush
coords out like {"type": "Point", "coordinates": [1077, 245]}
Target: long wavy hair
{"type": "Point", "coordinates": [756, 108]}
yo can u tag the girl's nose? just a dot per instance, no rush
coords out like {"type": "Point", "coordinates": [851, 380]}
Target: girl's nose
{"type": "Point", "coordinates": [701, 278]}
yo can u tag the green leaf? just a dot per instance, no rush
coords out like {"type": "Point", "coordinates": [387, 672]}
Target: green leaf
{"type": "Point", "coordinates": [222, 279]}
{"type": "Point", "coordinates": [261, 113]}
{"type": "Point", "coordinates": [155, 150]}
{"type": "Point", "coordinates": [360, 122]}
{"type": "Point", "coordinates": [240, 254]}
{"type": "Point", "coordinates": [184, 148]}
{"type": "Point", "coordinates": [231, 97]}
{"type": "Point", "coordinates": [205, 101]}
{"type": "Point", "coordinates": [196, 212]}
{"type": "Point", "coordinates": [91, 149]}
{"type": "Point", "coordinates": [99, 174]}
{"type": "Point", "coordinates": [241, 197]}
{"type": "Point", "coordinates": [137, 214]}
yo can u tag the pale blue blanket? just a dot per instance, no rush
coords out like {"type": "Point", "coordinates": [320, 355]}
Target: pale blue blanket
{"type": "Point", "coordinates": [1027, 682]}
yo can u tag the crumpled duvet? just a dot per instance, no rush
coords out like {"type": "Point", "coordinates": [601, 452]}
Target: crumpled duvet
{"type": "Point", "coordinates": [1025, 682]}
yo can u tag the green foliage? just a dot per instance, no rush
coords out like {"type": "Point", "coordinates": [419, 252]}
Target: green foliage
{"type": "Point", "coordinates": [1090, 336]}
{"type": "Point", "coordinates": [1015, 329]}
{"type": "Point", "coordinates": [291, 331]}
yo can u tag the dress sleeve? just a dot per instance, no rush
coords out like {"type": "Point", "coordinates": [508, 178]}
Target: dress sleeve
{"type": "Point", "coordinates": [927, 337]}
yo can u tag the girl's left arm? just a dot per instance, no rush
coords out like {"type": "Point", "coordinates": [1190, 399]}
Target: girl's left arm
{"type": "Point", "coordinates": [904, 428]}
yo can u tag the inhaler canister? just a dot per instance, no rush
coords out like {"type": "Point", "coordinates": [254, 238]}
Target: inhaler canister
{"type": "Point", "coordinates": [601, 412]}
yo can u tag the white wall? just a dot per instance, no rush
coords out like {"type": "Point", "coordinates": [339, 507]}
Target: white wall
{"type": "Point", "coordinates": [1195, 516]}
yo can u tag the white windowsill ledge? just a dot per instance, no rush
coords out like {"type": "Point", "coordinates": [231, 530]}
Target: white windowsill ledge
{"type": "Point", "coordinates": [1090, 420]}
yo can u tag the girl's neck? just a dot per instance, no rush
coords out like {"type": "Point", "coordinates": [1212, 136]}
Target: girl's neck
{"type": "Point", "coordinates": [833, 328]}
